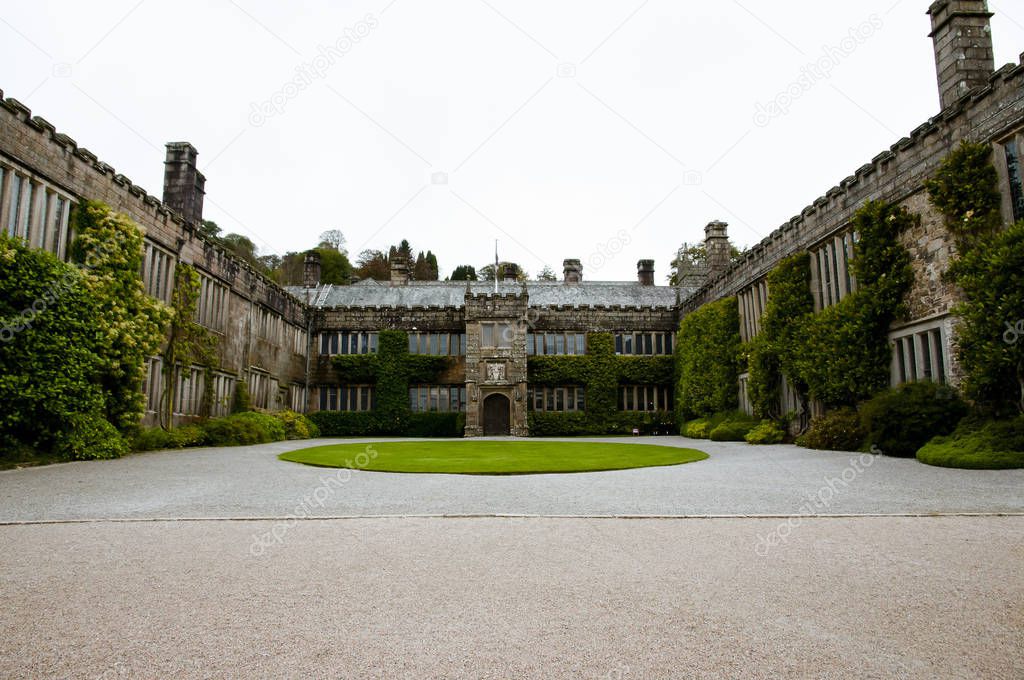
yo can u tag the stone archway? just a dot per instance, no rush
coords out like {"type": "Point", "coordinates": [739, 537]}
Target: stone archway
{"type": "Point", "coordinates": [497, 416]}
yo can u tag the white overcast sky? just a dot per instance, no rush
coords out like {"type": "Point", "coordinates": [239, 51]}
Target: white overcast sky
{"type": "Point", "coordinates": [605, 131]}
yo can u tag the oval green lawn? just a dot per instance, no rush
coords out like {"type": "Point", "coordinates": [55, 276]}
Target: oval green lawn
{"type": "Point", "coordinates": [492, 457]}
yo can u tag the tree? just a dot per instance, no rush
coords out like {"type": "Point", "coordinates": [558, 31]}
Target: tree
{"type": "Point", "coordinates": [333, 238]}
{"type": "Point", "coordinates": [487, 272]}
{"type": "Point", "coordinates": [464, 272]}
{"type": "Point", "coordinates": [210, 230]}
{"type": "Point", "coordinates": [425, 268]}
{"type": "Point", "coordinates": [547, 274]}
{"type": "Point", "coordinates": [334, 266]}
{"type": "Point", "coordinates": [373, 264]}
{"type": "Point", "coordinates": [690, 265]}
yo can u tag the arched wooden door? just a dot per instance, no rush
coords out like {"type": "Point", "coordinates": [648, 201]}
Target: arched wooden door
{"type": "Point", "coordinates": [497, 416]}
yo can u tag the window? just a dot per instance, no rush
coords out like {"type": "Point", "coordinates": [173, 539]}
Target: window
{"type": "Point", "coordinates": [498, 335]}
{"type": "Point", "coordinates": [348, 398]}
{"type": "Point", "coordinates": [153, 384]}
{"type": "Point", "coordinates": [189, 387]}
{"type": "Point", "coordinates": [1016, 179]}
{"type": "Point", "coordinates": [437, 398]}
{"type": "Point", "coordinates": [560, 399]}
{"type": "Point", "coordinates": [832, 269]}
{"type": "Point", "coordinates": [645, 398]}
{"type": "Point", "coordinates": [269, 325]}
{"type": "Point", "coordinates": [298, 398]}
{"type": "Point", "coordinates": [348, 342]}
{"type": "Point", "coordinates": [643, 344]}
{"type": "Point", "coordinates": [158, 272]}
{"type": "Point", "coordinates": [438, 344]}
{"type": "Point", "coordinates": [211, 308]}
{"type": "Point", "coordinates": [223, 394]}
{"type": "Point", "coordinates": [541, 344]}
{"type": "Point", "coordinates": [919, 354]}
{"type": "Point", "coordinates": [259, 388]}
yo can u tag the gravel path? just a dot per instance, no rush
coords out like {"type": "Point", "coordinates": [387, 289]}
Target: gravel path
{"type": "Point", "coordinates": [515, 598]}
{"type": "Point", "coordinates": [737, 479]}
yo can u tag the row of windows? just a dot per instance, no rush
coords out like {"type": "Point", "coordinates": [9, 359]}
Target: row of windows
{"type": "Point", "coordinates": [540, 344]}
{"type": "Point", "coordinates": [348, 398]}
{"type": "Point", "coordinates": [438, 344]}
{"type": "Point", "coordinates": [572, 398]}
{"type": "Point", "coordinates": [643, 343]}
{"type": "Point", "coordinates": [645, 398]}
{"type": "Point", "coordinates": [212, 306]}
{"type": "Point", "coordinates": [35, 212]}
{"type": "Point", "coordinates": [1016, 177]}
{"type": "Point", "coordinates": [344, 342]}
{"type": "Point", "coordinates": [752, 303]}
{"type": "Point", "coordinates": [831, 268]}
{"type": "Point", "coordinates": [190, 389]}
{"type": "Point", "coordinates": [437, 398]}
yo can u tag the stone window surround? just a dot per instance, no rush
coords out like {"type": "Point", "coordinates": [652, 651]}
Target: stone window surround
{"type": "Point", "coordinates": [920, 351]}
{"type": "Point", "coordinates": [48, 209]}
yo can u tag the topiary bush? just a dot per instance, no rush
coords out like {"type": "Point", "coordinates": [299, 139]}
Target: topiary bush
{"type": "Point", "coordinates": [901, 420]}
{"type": "Point", "coordinates": [839, 430]}
{"type": "Point", "coordinates": [767, 432]}
{"type": "Point", "coordinates": [244, 428]}
{"type": "Point", "coordinates": [992, 445]}
{"type": "Point", "coordinates": [297, 426]}
{"type": "Point", "coordinates": [734, 428]}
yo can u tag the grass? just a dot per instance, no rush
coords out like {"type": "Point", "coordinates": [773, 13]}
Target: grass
{"type": "Point", "coordinates": [492, 457]}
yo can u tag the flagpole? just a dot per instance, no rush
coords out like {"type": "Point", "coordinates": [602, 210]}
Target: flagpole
{"type": "Point", "coordinates": [496, 274]}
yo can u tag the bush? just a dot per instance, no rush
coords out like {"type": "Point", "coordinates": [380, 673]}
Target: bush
{"type": "Point", "coordinates": [297, 426]}
{"type": "Point", "coordinates": [346, 423]}
{"type": "Point", "coordinates": [993, 445]}
{"type": "Point", "coordinates": [734, 428]}
{"type": "Point", "coordinates": [767, 432]}
{"type": "Point", "coordinates": [240, 402]}
{"type": "Point", "coordinates": [157, 438]}
{"type": "Point", "coordinates": [436, 425]}
{"type": "Point", "coordinates": [91, 438]}
{"type": "Point", "coordinates": [701, 427]}
{"type": "Point", "coordinates": [840, 430]}
{"type": "Point", "coordinates": [707, 360]}
{"type": "Point", "coordinates": [244, 428]}
{"type": "Point", "coordinates": [902, 420]}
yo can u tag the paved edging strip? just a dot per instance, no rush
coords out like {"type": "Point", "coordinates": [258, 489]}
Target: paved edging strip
{"type": "Point", "coordinates": [134, 520]}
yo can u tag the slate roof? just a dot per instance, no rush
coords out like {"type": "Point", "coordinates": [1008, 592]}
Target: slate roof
{"type": "Point", "coordinates": [369, 293]}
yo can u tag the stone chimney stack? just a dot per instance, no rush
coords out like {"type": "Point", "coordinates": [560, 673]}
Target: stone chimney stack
{"type": "Point", "coordinates": [311, 270]}
{"type": "Point", "coordinates": [508, 274]}
{"type": "Point", "coordinates": [962, 35]}
{"type": "Point", "coordinates": [716, 245]}
{"type": "Point", "coordinates": [184, 185]}
{"type": "Point", "coordinates": [399, 271]}
{"type": "Point", "coordinates": [572, 271]}
{"type": "Point", "coordinates": [645, 272]}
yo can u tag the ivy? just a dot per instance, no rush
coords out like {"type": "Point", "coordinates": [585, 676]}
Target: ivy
{"type": "Point", "coordinates": [109, 247]}
{"type": "Point", "coordinates": [188, 342]}
{"type": "Point", "coordinates": [842, 354]}
{"type": "Point", "coordinates": [990, 273]}
{"type": "Point", "coordinates": [775, 352]}
{"type": "Point", "coordinates": [601, 371]}
{"type": "Point", "coordinates": [391, 370]}
{"type": "Point", "coordinates": [708, 361]}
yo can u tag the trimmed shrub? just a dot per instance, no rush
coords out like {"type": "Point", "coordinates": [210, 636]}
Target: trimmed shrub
{"type": "Point", "coordinates": [91, 438]}
{"type": "Point", "coordinates": [840, 430]}
{"type": "Point", "coordinates": [436, 425]}
{"type": "Point", "coordinates": [701, 427]}
{"type": "Point", "coordinates": [297, 426]}
{"type": "Point", "coordinates": [993, 445]}
{"type": "Point", "coordinates": [240, 403]}
{"type": "Point", "coordinates": [346, 423]}
{"type": "Point", "coordinates": [734, 428]}
{"type": "Point", "coordinates": [767, 432]}
{"type": "Point", "coordinates": [902, 420]}
{"type": "Point", "coordinates": [157, 438]}
{"type": "Point", "coordinates": [244, 428]}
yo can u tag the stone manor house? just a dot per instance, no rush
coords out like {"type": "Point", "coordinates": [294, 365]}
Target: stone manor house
{"type": "Point", "coordinates": [280, 340]}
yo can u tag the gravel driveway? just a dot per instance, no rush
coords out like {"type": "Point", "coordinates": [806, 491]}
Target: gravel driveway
{"type": "Point", "coordinates": [737, 480]}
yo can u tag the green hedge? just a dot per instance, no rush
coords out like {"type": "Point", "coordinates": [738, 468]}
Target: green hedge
{"type": "Point", "coordinates": [900, 421]}
{"type": "Point", "coordinates": [546, 424]}
{"type": "Point", "coordinates": [839, 430]}
{"type": "Point", "coordinates": [992, 445]}
{"type": "Point", "coordinates": [369, 424]}
{"type": "Point", "coordinates": [235, 430]}
{"type": "Point", "coordinates": [767, 432]}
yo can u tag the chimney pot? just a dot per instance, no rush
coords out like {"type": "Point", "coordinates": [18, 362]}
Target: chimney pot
{"type": "Point", "coordinates": [399, 271]}
{"type": "Point", "coordinates": [572, 271]}
{"type": "Point", "coordinates": [959, 28]}
{"type": "Point", "coordinates": [311, 270]}
{"type": "Point", "coordinates": [645, 272]}
{"type": "Point", "coordinates": [184, 185]}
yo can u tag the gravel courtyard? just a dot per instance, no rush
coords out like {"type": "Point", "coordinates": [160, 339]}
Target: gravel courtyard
{"type": "Point", "coordinates": [737, 480]}
{"type": "Point", "coordinates": [228, 563]}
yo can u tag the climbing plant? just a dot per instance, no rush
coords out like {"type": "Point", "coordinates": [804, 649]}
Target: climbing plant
{"type": "Point", "coordinates": [708, 360]}
{"type": "Point", "coordinates": [108, 246]}
{"type": "Point", "coordinates": [842, 353]}
{"type": "Point", "coordinates": [989, 271]}
{"type": "Point", "coordinates": [188, 342]}
{"type": "Point", "coordinates": [601, 372]}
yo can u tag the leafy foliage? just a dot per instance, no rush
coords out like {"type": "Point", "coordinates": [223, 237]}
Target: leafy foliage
{"type": "Point", "coordinates": [188, 342]}
{"type": "Point", "coordinates": [839, 430]}
{"type": "Point", "coordinates": [707, 360]}
{"type": "Point", "coordinates": [109, 246]}
{"type": "Point", "coordinates": [734, 428]}
{"type": "Point", "coordinates": [767, 432]}
{"type": "Point", "coordinates": [243, 429]}
{"type": "Point", "coordinates": [464, 272]}
{"type": "Point", "coordinates": [992, 445]}
{"type": "Point", "coordinates": [297, 426]}
{"type": "Point", "coordinates": [989, 272]}
{"type": "Point", "coordinates": [902, 420]}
